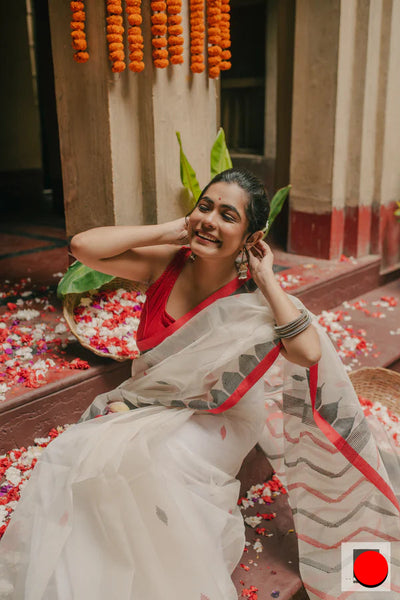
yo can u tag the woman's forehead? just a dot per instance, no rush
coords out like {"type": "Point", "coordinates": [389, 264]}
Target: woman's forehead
{"type": "Point", "coordinates": [227, 193]}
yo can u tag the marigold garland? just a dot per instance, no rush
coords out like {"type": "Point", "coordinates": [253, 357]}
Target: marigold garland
{"type": "Point", "coordinates": [115, 31]}
{"type": "Point", "coordinates": [214, 37]}
{"type": "Point", "coordinates": [197, 29]}
{"type": "Point", "coordinates": [175, 30]}
{"type": "Point", "coordinates": [159, 32]}
{"type": "Point", "coordinates": [225, 36]}
{"type": "Point", "coordinates": [78, 32]}
{"type": "Point", "coordinates": [135, 37]}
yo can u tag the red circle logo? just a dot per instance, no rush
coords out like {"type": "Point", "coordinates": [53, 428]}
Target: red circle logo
{"type": "Point", "coordinates": [370, 568]}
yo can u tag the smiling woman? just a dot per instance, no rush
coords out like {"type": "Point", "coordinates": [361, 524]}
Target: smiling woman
{"type": "Point", "coordinates": [142, 502]}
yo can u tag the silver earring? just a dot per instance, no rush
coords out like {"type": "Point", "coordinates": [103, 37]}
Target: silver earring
{"type": "Point", "coordinates": [242, 270]}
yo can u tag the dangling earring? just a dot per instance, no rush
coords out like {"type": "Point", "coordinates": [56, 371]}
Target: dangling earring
{"type": "Point", "coordinates": [242, 270]}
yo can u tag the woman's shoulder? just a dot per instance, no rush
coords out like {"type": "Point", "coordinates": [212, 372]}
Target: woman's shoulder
{"type": "Point", "coordinates": [167, 258]}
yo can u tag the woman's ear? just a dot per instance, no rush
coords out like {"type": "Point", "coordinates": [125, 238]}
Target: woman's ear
{"type": "Point", "coordinates": [253, 238]}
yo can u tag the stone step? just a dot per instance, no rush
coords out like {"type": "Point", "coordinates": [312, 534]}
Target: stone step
{"type": "Point", "coordinates": [376, 322]}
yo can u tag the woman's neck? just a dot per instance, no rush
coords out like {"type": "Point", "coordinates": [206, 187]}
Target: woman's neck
{"type": "Point", "coordinates": [212, 274]}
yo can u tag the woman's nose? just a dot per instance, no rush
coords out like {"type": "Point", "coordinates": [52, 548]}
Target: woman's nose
{"type": "Point", "coordinates": [208, 219]}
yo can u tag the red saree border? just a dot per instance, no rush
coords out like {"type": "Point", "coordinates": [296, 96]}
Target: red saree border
{"type": "Point", "coordinates": [249, 380]}
{"type": "Point", "coordinates": [340, 443]}
{"type": "Point", "coordinates": [226, 290]}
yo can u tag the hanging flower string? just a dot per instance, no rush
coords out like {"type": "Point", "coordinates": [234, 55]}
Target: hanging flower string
{"type": "Point", "coordinates": [214, 37]}
{"type": "Point", "coordinates": [115, 31]}
{"type": "Point", "coordinates": [78, 32]}
{"type": "Point", "coordinates": [159, 32]}
{"type": "Point", "coordinates": [225, 63]}
{"type": "Point", "coordinates": [135, 37]}
{"type": "Point", "coordinates": [197, 29]}
{"type": "Point", "coordinates": [175, 30]}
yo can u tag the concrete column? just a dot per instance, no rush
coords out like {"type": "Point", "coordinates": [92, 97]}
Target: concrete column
{"type": "Point", "coordinates": [389, 229]}
{"type": "Point", "coordinates": [315, 224]}
{"type": "Point", "coordinates": [119, 153]}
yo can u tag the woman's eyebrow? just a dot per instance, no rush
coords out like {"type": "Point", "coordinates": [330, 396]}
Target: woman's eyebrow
{"type": "Point", "coordinates": [228, 206]}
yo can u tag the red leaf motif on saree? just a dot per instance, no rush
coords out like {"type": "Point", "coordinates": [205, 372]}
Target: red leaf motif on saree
{"type": "Point", "coordinates": [223, 432]}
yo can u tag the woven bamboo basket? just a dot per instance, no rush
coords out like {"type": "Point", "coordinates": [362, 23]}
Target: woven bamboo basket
{"type": "Point", "coordinates": [378, 384]}
{"type": "Point", "coordinates": [72, 300]}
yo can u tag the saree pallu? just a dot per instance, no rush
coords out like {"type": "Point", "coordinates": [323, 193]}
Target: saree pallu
{"type": "Point", "coordinates": [142, 505]}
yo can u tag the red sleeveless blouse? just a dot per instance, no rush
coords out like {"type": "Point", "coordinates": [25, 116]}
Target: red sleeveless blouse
{"type": "Point", "coordinates": [154, 317]}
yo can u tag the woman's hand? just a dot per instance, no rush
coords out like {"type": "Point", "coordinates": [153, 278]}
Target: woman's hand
{"type": "Point", "coordinates": [260, 259]}
{"type": "Point", "coordinates": [179, 234]}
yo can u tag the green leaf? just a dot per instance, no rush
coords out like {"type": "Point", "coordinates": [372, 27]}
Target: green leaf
{"type": "Point", "coordinates": [188, 175]}
{"type": "Point", "coordinates": [276, 205]}
{"type": "Point", "coordinates": [220, 157]}
{"type": "Point", "coordinates": [80, 278]}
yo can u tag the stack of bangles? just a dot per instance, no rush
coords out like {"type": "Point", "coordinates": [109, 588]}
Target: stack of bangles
{"type": "Point", "coordinates": [294, 327]}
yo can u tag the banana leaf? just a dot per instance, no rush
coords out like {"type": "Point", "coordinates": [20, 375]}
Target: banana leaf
{"type": "Point", "coordinates": [79, 278]}
{"type": "Point", "coordinates": [188, 175]}
{"type": "Point", "coordinates": [220, 159]}
{"type": "Point", "coordinates": [276, 205]}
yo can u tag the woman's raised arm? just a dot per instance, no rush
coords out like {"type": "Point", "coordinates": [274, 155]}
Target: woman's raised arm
{"type": "Point", "coordinates": [136, 252]}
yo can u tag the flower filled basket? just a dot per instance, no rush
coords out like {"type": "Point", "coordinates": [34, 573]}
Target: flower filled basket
{"type": "Point", "coordinates": [378, 385]}
{"type": "Point", "coordinates": [105, 320]}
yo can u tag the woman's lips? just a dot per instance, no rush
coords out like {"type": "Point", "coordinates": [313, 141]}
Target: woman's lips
{"type": "Point", "coordinates": [204, 237]}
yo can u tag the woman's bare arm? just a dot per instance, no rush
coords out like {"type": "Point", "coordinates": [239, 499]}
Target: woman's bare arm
{"type": "Point", "coordinates": [304, 348]}
{"type": "Point", "coordinates": [137, 252]}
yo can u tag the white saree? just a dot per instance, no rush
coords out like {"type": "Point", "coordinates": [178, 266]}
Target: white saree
{"type": "Point", "coordinates": [142, 505]}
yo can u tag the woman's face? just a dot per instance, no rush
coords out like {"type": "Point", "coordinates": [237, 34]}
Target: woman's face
{"type": "Point", "coordinates": [218, 225]}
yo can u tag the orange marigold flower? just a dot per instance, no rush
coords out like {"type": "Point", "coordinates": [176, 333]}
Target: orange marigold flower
{"type": "Point", "coordinates": [158, 6]}
{"type": "Point", "coordinates": [115, 46]}
{"type": "Point", "coordinates": [136, 66]}
{"type": "Point", "coordinates": [160, 53]}
{"type": "Point", "coordinates": [81, 57]}
{"type": "Point", "coordinates": [133, 10]}
{"type": "Point", "coordinates": [136, 55]}
{"type": "Point", "coordinates": [201, 28]}
{"type": "Point", "coordinates": [77, 25]}
{"type": "Point", "coordinates": [134, 31]}
{"type": "Point", "coordinates": [80, 15]}
{"type": "Point", "coordinates": [114, 37]}
{"type": "Point", "coordinates": [176, 50]}
{"type": "Point", "coordinates": [225, 65]}
{"type": "Point", "coordinates": [115, 29]}
{"type": "Point", "coordinates": [159, 30]}
{"type": "Point", "coordinates": [75, 6]}
{"type": "Point", "coordinates": [174, 10]}
{"type": "Point", "coordinates": [158, 19]}
{"type": "Point", "coordinates": [115, 9]}
{"type": "Point", "coordinates": [214, 51]}
{"type": "Point", "coordinates": [79, 44]}
{"type": "Point", "coordinates": [214, 39]}
{"type": "Point", "coordinates": [161, 63]}
{"type": "Point", "coordinates": [114, 20]}
{"type": "Point", "coordinates": [196, 48]}
{"type": "Point", "coordinates": [135, 19]}
{"type": "Point", "coordinates": [175, 30]}
{"type": "Point", "coordinates": [213, 72]}
{"type": "Point", "coordinates": [160, 42]}
{"type": "Point", "coordinates": [177, 59]}
{"type": "Point", "coordinates": [117, 55]}
{"type": "Point", "coordinates": [225, 44]}
{"type": "Point", "coordinates": [118, 66]}
{"type": "Point", "coordinates": [76, 35]}
{"type": "Point", "coordinates": [133, 2]}
{"type": "Point", "coordinates": [174, 19]}
{"type": "Point", "coordinates": [226, 55]}
{"type": "Point", "coordinates": [175, 40]}
{"type": "Point", "coordinates": [197, 67]}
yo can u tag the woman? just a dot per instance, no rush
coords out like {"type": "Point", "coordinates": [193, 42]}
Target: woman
{"type": "Point", "coordinates": [142, 503]}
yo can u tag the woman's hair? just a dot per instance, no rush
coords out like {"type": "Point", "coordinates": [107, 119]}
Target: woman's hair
{"type": "Point", "coordinates": [257, 209]}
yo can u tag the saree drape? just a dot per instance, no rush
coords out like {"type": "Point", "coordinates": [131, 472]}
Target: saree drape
{"type": "Point", "coordinates": [142, 505]}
